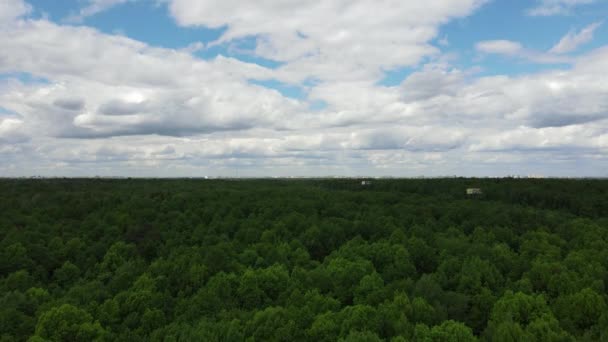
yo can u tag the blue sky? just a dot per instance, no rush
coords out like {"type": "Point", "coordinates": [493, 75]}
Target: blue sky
{"type": "Point", "coordinates": [448, 86]}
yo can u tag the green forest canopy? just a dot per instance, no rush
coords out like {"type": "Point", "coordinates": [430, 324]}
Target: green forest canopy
{"type": "Point", "coordinates": [297, 260]}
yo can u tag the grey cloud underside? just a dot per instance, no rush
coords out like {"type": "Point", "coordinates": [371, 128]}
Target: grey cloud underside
{"type": "Point", "coordinates": [119, 107]}
{"type": "Point", "coordinates": [560, 120]}
{"type": "Point", "coordinates": [422, 86]}
{"type": "Point", "coordinates": [160, 128]}
{"type": "Point", "coordinates": [417, 139]}
{"type": "Point", "coordinates": [70, 104]}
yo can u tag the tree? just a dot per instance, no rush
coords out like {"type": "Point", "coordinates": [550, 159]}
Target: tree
{"type": "Point", "coordinates": [324, 328]}
{"type": "Point", "coordinates": [361, 336]}
{"type": "Point", "coordinates": [451, 331]}
{"type": "Point", "coordinates": [272, 324]}
{"type": "Point", "coordinates": [370, 290]}
{"type": "Point", "coordinates": [517, 315]}
{"type": "Point", "coordinates": [68, 323]}
{"type": "Point", "coordinates": [581, 311]}
{"type": "Point", "coordinates": [67, 273]}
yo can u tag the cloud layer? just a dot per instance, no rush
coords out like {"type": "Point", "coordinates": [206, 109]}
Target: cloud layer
{"type": "Point", "coordinates": [103, 104]}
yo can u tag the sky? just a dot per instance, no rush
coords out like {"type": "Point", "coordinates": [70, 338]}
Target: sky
{"type": "Point", "coordinates": [194, 88]}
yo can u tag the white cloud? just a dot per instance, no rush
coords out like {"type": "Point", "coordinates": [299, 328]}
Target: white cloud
{"type": "Point", "coordinates": [105, 85]}
{"type": "Point", "coordinates": [11, 9]}
{"type": "Point", "coordinates": [330, 40]}
{"type": "Point", "coordinates": [194, 47]}
{"type": "Point", "coordinates": [548, 99]}
{"type": "Point", "coordinates": [504, 47]}
{"type": "Point", "coordinates": [413, 138]}
{"type": "Point", "coordinates": [515, 49]}
{"type": "Point", "coordinates": [570, 42]}
{"type": "Point", "coordinates": [94, 7]}
{"type": "Point", "coordinates": [11, 131]}
{"type": "Point", "coordinates": [556, 7]}
{"type": "Point", "coordinates": [573, 40]}
{"type": "Point", "coordinates": [574, 137]}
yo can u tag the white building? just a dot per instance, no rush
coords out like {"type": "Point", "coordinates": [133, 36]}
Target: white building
{"type": "Point", "coordinates": [474, 191]}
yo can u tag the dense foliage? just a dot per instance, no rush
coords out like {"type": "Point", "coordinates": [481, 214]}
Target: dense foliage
{"type": "Point", "coordinates": [296, 260]}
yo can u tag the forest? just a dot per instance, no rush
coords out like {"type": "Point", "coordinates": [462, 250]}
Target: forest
{"type": "Point", "coordinates": [303, 260]}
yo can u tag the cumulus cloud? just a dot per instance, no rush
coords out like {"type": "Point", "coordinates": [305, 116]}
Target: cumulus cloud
{"type": "Point", "coordinates": [573, 39]}
{"type": "Point", "coordinates": [431, 82]}
{"type": "Point", "coordinates": [11, 9]}
{"type": "Point", "coordinates": [552, 98]}
{"type": "Point", "coordinates": [329, 40]}
{"type": "Point", "coordinates": [11, 131]}
{"type": "Point", "coordinates": [104, 85]}
{"type": "Point", "coordinates": [556, 7]}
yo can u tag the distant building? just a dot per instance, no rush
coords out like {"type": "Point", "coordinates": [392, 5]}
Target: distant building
{"type": "Point", "coordinates": [366, 182]}
{"type": "Point", "coordinates": [474, 191]}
